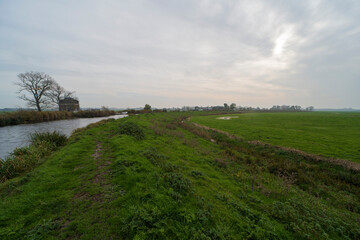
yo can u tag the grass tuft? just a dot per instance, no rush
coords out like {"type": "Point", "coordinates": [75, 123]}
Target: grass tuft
{"type": "Point", "coordinates": [153, 155]}
{"type": "Point", "coordinates": [132, 129]}
{"type": "Point", "coordinates": [24, 159]}
{"type": "Point", "coordinates": [177, 182]}
{"type": "Point", "coordinates": [56, 138]}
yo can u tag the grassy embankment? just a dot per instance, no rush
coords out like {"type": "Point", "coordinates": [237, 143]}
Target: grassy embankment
{"type": "Point", "coordinates": [21, 117]}
{"type": "Point", "coordinates": [154, 176]}
{"type": "Point", "coordinates": [24, 159]}
{"type": "Point", "coordinates": [329, 134]}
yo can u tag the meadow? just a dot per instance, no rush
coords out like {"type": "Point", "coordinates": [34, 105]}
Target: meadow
{"type": "Point", "coordinates": [158, 176]}
{"type": "Point", "coordinates": [330, 134]}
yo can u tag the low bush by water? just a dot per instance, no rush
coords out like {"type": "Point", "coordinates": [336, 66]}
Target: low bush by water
{"type": "Point", "coordinates": [26, 158]}
{"type": "Point", "coordinates": [56, 138]}
{"type": "Point", "coordinates": [93, 113]}
{"type": "Point", "coordinates": [21, 117]}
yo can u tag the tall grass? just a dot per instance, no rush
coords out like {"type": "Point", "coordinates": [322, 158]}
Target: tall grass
{"type": "Point", "coordinates": [93, 113]}
{"type": "Point", "coordinates": [24, 159]}
{"type": "Point", "coordinates": [21, 117]}
{"type": "Point", "coordinates": [55, 138]}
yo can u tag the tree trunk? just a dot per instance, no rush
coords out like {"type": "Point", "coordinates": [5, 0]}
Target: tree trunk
{"type": "Point", "coordinates": [38, 106]}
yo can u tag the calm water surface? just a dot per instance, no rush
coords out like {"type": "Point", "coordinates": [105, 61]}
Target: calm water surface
{"type": "Point", "coordinates": [12, 137]}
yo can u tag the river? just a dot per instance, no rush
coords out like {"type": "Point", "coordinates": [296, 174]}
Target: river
{"type": "Point", "coordinates": [12, 137]}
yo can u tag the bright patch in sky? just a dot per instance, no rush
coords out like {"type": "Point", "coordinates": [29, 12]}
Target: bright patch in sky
{"type": "Point", "coordinates": [281, 41]}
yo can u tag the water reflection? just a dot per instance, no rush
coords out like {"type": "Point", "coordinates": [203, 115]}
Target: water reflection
{"type": "Point", "coordinates": [12, 137]}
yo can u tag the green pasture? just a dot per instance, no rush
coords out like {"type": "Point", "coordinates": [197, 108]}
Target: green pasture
{"type": "Point", "coordinates": [331, 134]}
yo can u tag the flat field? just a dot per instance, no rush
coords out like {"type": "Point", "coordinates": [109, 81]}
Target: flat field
{"type": "Point", "coordinates": [330, 134]}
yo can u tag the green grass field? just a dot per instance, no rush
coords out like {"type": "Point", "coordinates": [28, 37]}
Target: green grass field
{"type": "Point", "coordinates": [154, 176]}
{"type": "Point", "coordinates": [331, 134]}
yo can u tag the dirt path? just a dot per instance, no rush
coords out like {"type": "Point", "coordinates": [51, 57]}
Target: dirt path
{"type": "Point", "coordinates": [99, 183]}
{"type": "Point", "coordinates": [101, 171]}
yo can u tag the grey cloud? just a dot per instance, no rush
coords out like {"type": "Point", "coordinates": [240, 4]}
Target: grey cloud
{"type": "Point", "coordinates": [189, 52]}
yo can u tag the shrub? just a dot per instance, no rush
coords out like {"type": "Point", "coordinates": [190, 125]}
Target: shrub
{"type": "Point", "coordinates": [193, 143]}
{"type": "Point", "coordinates": [221, 162]}
{"type": "Point", "coordinates": [56, 138]}
{"type": "Point", "coordinates": [158, 129]}
{"type": "Point", "coordinates": [168, 167]}
{"type": "Point", "coordinates": [171, 126]}
{"type": "Point", "coordinates": [144, 223]}
{"type": "Point", "coordinates": [197, 131]}
{"type": "Point", "coordinates": [21, 116]}
{"type": "Point", "coordinates": [304, 221]}
{"type": "Point", "coordinates": [119, 167]}
{"type": "Point", "coordinates": [177, 182]}
{"type": "Point", "coordinates": [26, 158]}
{"type": "Point", "coordinates": [43, 229]}
{"type": "Point", "coordinates": [196, 174]}
{"type": "Point", "coordinates": [132, 129]}
{"type": "Point", "coordinates": [23, 160]}
{"type": "Point", "coordinates": [152, 155]}
{"type": "Point", "coordinates": [93, 113]}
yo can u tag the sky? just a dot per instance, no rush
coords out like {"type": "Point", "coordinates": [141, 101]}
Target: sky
{"type": "Point", "coordinates": [171, 53]}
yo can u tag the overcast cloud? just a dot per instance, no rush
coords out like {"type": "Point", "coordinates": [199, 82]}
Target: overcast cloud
{"type": "Point", "coordinates": [176, 53]}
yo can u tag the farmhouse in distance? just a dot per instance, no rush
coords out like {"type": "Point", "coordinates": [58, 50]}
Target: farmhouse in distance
{"type": "Point", "coordinates": [69, 104]}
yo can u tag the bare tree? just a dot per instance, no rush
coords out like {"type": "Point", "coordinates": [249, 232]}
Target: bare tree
{"type": "Point", "coordinates": [37, 85]}
{"type": "Point", "coordinates": [56, 93]}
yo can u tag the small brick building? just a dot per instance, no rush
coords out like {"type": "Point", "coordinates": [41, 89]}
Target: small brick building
{"type": "Point", "coordinates": [69, 105]}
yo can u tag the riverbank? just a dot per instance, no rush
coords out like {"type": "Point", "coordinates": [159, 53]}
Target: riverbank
{"type": "Point", "coordinates": [17, 136]}
{"type": "Point", "coordinates": [25, 159]}
{"type": "Point", "coordinates": [156, 176]}
{"type": "Point", "coordinates": [24, 117]}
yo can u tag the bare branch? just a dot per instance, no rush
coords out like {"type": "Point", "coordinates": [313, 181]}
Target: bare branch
{"type": "Point", "coordinates": [36, 84]}
{"type": "Point", "coordinates": [57, 93]}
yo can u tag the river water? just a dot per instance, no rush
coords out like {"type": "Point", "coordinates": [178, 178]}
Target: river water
{"type": "Point", "coordinates": [12, 137]}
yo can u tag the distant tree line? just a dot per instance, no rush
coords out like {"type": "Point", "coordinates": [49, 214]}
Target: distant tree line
{"type": "Point", "coordinates": [290, 108]}
{"type": "Point", "coordinates": [233, 107]}
{"type": "Point", "coordinates": [225, 107]}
